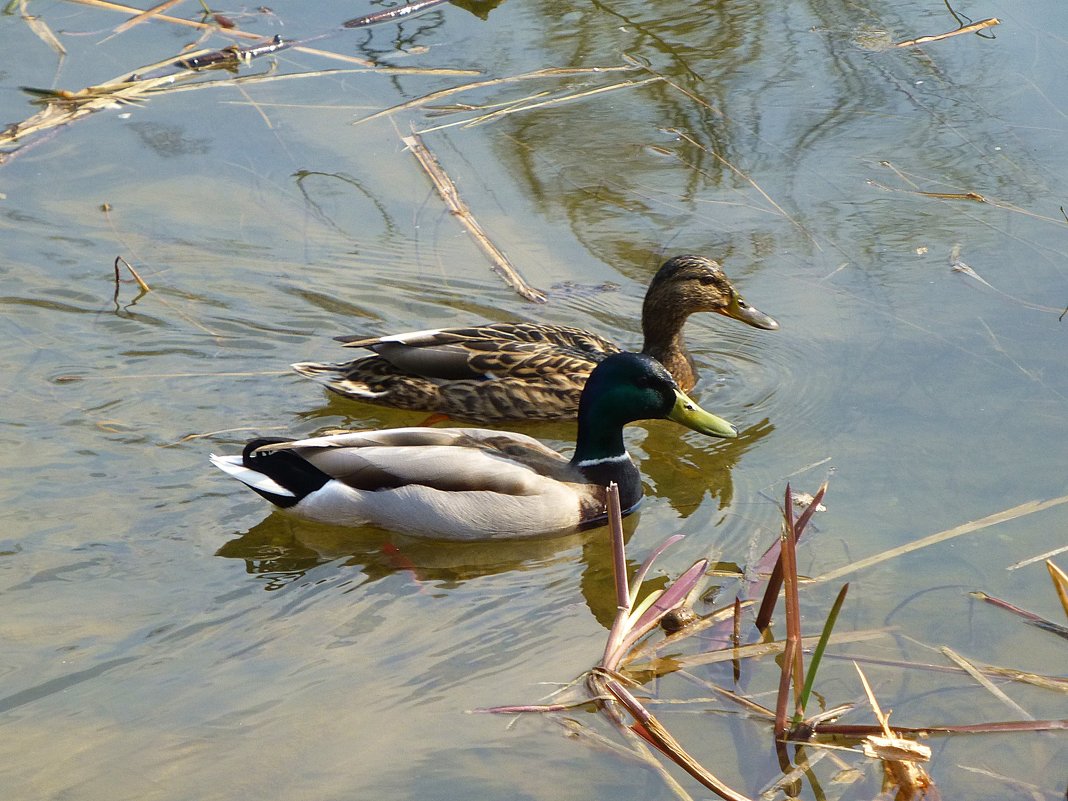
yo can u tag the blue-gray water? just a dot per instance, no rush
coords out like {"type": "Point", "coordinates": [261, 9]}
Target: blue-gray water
{"type": "Point", "coordinates": [166, 637]}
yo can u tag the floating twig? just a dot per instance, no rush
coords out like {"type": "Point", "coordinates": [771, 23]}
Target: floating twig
{"type": "Point", "coordinates": [975, 26]}
{"type": "Point", "coordinates": [392, 14]}
{"type": "Point", "coordinates": [449, 193]}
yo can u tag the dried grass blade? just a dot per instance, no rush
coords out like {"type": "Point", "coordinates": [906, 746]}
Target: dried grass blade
{"type": "Point", "coordinates": [449, 193]}
{"type": "Point", "coordinates": [1023, 509]}
{"type": "Point", "coordinates": [140, 281]}
{"type": "Point", "coordinates": [443, 93]}
{"type": "Point", "coordinates": [1056, 684]}
{"type": "Point", "coordinates": [640, 752]}
{"type": "Point", "coordinates": [986, 683]}
{"type": "Point", "coordinates": [41, 30]}
{"type": "Point", "coordinates": [1038, 558]}
{"type": "Point", "coordinates": [144, 16]}
{"type": "Point", "coordinates": [1060, 583]}
{"type": "Point", "coordinates": [555, 101]}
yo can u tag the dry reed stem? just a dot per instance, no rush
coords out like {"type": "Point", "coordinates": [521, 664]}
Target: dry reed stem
{"type": "Point", "coordinates": [205, 26]}
{"type": "Point", "coordinates": [664, 740]}
{"type": "Point", "coordinates": [1055, 684]}
{"type": "Point", "coordinates": [551, 72]}
{"type": "Point", "coordinates": [451, 195]}
{"type": "Point", "coordinates": [121, 8]}
{"type": "Point", "coordinates": [639, 753]}
{"type": "Point", "coordinates": [1022, 510]}
{"type": "Point", "coordinates": [900, 757]}
{"type": "Point", "coordinates": [64, 107]}
{"type": "Point", "coordinates": [975, 26]}
{"type": "Point", "coordinates": [1040, 557]}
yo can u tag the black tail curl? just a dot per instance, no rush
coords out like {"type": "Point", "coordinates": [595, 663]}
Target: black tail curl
{"type": "Point", "coordinates": [286, 468]}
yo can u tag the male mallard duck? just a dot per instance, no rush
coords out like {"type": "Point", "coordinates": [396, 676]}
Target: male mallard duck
{"type": "Point", "coordinates": [525, 371]}
{"type": "Point", "coordinates": [472, 483]}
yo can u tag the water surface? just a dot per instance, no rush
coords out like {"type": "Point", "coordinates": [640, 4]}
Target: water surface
{"type": "Point", "coordinates": [167, 637]}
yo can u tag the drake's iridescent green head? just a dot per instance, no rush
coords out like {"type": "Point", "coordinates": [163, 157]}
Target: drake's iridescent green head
{"type": "Point", "coordinates": [631, 386]}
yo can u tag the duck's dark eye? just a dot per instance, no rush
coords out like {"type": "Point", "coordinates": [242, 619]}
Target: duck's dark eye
{"type": "Point", "coordinates": [707, 280]}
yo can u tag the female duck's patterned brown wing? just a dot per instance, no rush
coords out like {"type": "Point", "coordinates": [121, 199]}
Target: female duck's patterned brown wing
{"type": "Point", "coordinates": [490, 373]}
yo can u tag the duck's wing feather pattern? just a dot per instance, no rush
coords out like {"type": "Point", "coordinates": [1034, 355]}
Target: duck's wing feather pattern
{"type": "Point", "coordinates": [450, 460]}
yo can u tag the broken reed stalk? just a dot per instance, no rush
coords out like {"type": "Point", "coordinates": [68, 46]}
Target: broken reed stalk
{"type": "Point", "coordinates": [140, 281]}
{"type": "Point", "coordinates": [451, 195]}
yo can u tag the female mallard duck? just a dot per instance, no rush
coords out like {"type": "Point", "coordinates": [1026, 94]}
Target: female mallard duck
{"type": "Point", "coordinates": [525, 371]}
{"type": "Point", "coordinates": [472, 483]}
